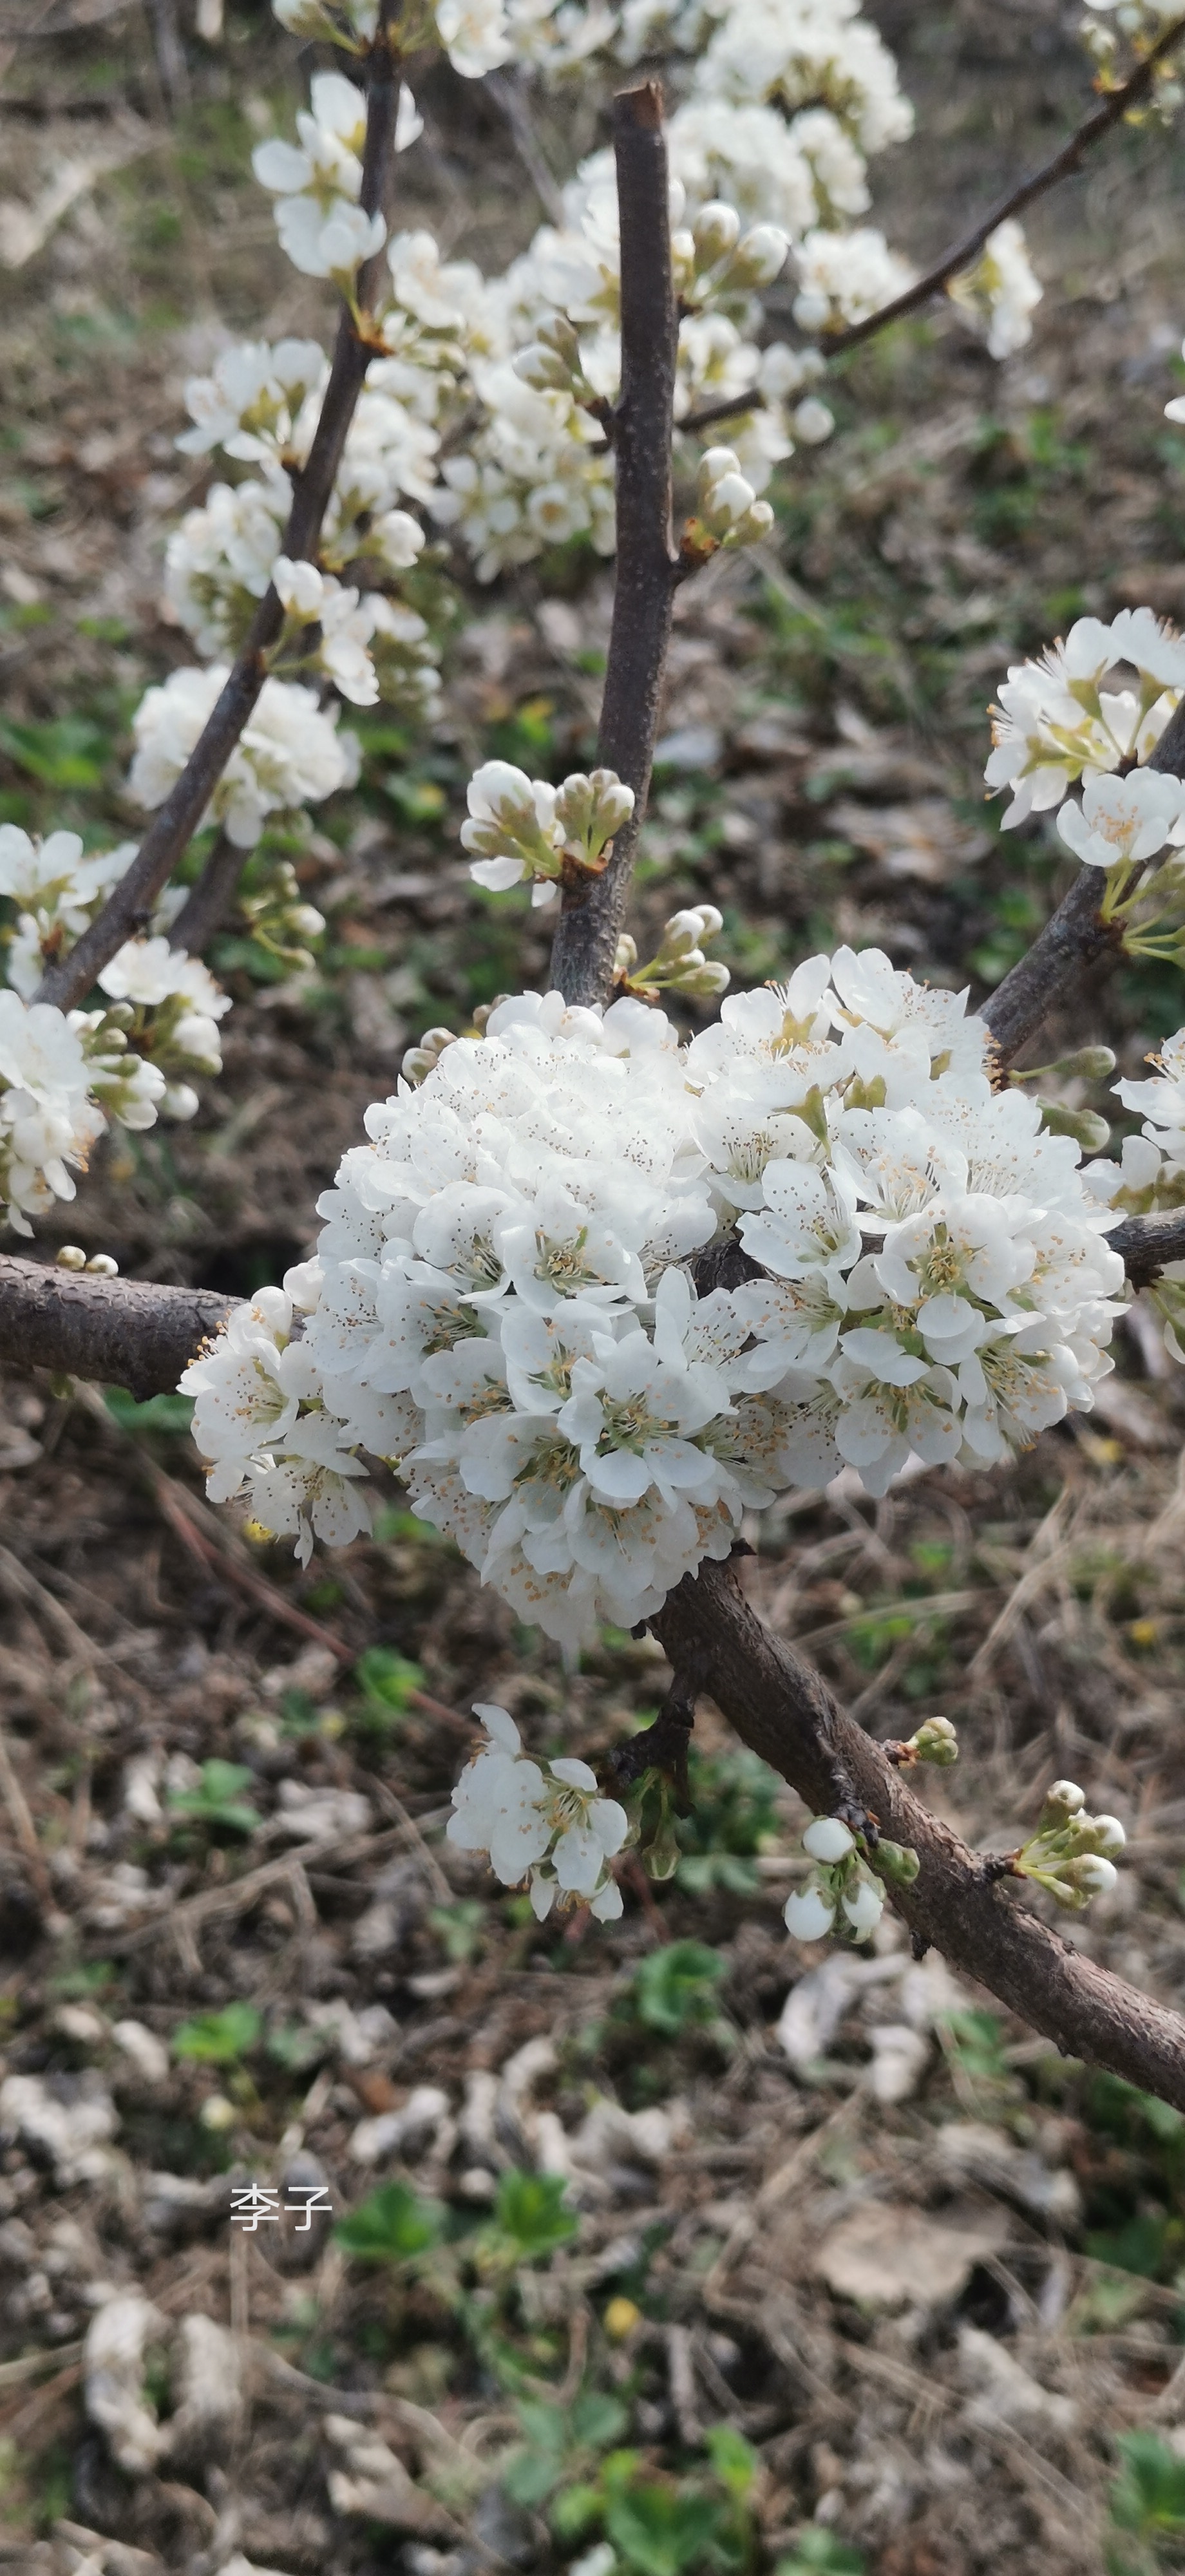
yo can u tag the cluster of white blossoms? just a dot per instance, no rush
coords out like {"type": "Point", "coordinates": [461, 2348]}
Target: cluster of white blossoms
{"type": "Point", "coordinates": [547, 1826]}
{"type": "Point", "coordinates": [290, 753]}
{"type": "Point", "coordinates": [1071, 716]}
{"type": "Point", "coordinates": [503, 1299]}
{"type": "Point", "coordinates": [64, 1075]}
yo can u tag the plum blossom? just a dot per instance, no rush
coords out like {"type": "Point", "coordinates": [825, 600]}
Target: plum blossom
{"type": "Point", "coordinates": [549, 1827]}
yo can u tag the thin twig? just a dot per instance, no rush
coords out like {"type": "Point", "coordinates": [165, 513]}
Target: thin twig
{"type": "Point", "coordinates": [963, 254]}
{"type": "Point", "coordinates": [24, 1827]}
{"type": "Point", "coordinates": [130, 903]}
{"type": "Point", "coordinates": [647, 562]}
{"type": "Point", "coordinates": [207, 904]}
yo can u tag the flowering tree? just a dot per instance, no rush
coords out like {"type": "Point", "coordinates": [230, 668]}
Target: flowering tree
{"type": "Point", "coordinates": [594, 1288]}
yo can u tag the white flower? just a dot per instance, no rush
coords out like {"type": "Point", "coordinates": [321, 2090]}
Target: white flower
{"type": "Point", "coordinates": [1123, 820]}
{"type": "Point", "coordinates": [289, 753]}
{"type": "Point", "coordinates": [554, 1826]}
{"type": "Point", "coordinates": [474, 35]}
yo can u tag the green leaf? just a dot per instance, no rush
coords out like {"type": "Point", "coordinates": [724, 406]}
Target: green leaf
{"type": "Point", "coordinates": [660, 2531]}
{"type": "Point", "coordinates": [1149, 2495]}
{"type": "Point", "coordinates": [217, 1800]}
{"type": "Point", "coordinates": [391, 2226]}
{"type": "Point", "coordinates": [65, 752]}
{"type": "Point", "coordinates": [817, 2552]}
{"type": "Point", "coordinates": [530, 2211]}
{"type": "Point", "coordinates": [218, 2038]}
{"type": "Point", "coordinates": [733, 2459]}
{"type": "Point", "coordinates": [674, 1988]}
{"type": "Point", "coordinates": [388, 1680]}
{"type": "Point", "coordinates": [161, 1413]}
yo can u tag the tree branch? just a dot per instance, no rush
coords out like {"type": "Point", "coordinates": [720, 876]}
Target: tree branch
{"type": "Point", "coordinates": [130, 903]}
{"type": "Point", "coordinates": [208, 902]}
{"type": "Point", "coordinates": [647, 563]}
{"type": "Point", "coordinates": [784, 1711]}
{"type": "Point", "coordinates": [963, 254]}
{"type": "Point", "coordinates": [122, 1332]}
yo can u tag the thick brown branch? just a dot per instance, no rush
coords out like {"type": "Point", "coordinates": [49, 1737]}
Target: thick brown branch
{"type": "Point", "coordinates": [130, 1333]}
{"type": "Point", "coordinates": [963, 254]}
{"type": "Point", "coordinates": [785, 1712]}
{"type": "Point", "coordinates": [647, 564]}
{"type": "Point", "coordinates": [1146, 1244]}
{"type": "Point", "coordinates": [175, 822]}
{"type": "Point", "coordinates": [122, 1332]}
{"type": "Point", "coordinates": [1073, 938]}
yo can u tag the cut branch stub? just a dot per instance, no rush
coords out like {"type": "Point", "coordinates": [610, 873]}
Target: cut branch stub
{"type": "Point", "coordinates": [129, 906]}
{"type": "Point", "coordinates": [647, 563]}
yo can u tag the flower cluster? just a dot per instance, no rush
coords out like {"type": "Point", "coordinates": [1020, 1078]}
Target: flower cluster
{"type": "Point", "coordinates": [1149, 1174]}
{"type": "Point", "coordinates": [1001, 290]}
{"type": "Point", "coordinates": [1058, 722]}
{"type": "Point", "coordinates": [842, 1894]}
{"type": "Point", "coordinates": [545, 1826]}
{"type": "Point", "coordinates": [1072, 1855]}
{"type": "Point", "coordinates": [503, 1298]}
{"type": "Point", "coordinates": [522, 828]}
{"type": "Point", "coordinates": [289, 754]}
{"type": "Point", "coordinates": [63, 1076]}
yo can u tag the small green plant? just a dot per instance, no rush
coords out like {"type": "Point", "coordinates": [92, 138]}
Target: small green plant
{"type": "Point", "coordinates": [674, 1989]}
{"type": "Point", "coordinates": [974, 2042]}
{"type": "Point", "coordinates": [732, 1817]}
{"type": "Point", "coordinates": [392, 2226]}
{"type": "Point", "coordinates": [219, 2038]}
{"type": "Point", "coordinates": [817, 2552]}
{"type": "Point", "coordinates": [560, 2443]}
{"type": "Point", "coordinates": [217, 1802]}
{"type": "Point", "coordinates": [1147, 2504]}
{"type": "Point", "coordinates": [386, 1681]}
{"type": "Point", "coordinates": [530, 2220]}
{"type": "Point", "coordinates": [459, 1928]}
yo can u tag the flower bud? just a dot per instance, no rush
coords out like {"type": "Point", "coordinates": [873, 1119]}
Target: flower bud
{"type": "Point", "coordinates": [1064, 1799]}
{"type": "Point", "coordinates": [103, 1265]}
{"type": "Point", "coordinates": [1093, 1874]}
{"type": "Point", "coordinates": [299, 586]}
{"type": "Point", "coordinates": [419, 1060]}
{"type": "Point", "coordinates": [813, 422]}
{"type": "Point", "coordinates": [557, 332]}
{"type": "Point", "coordinates": [544, 369]}
{"type": "Point", "coordinates": [808, 1915]}
{"type": "Point", "coordinates": [1109, 1836]}
{"type": "Point", "coordinates": [864, 1906]}
{"type": "Point", "coordinates": [70, 1256]}
{"type": "Point", "coordinates": [180, 1100]}
{"type": "Point", "coordinates": [1084, 1125]}
{"type": "Point", "coordinates": [827, 1838]}
{"type": "Point", "coordinates": [898, 1862]}
{"type": "Point", "coordinates": [682, 933]}
{"type": "Point", "coordinates": [936, 1741]}
{"type": "Point", "coordinates": [625, 957]}
{"type": "Point", "coordinates": [716, 231]}
{"type": "Point", "coordinates": [759, 257]}
{"type": "Point", "coordinates": [706, 982]}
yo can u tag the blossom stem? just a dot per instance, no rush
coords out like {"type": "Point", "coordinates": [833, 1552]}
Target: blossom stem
{"type": "Point", "coordinates": [130, 903]}
{"type": "Point", "coordinates": [648, 567]}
